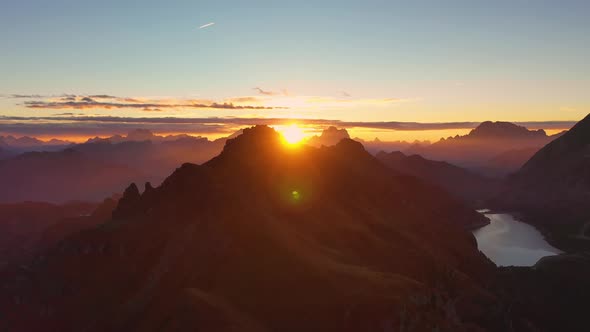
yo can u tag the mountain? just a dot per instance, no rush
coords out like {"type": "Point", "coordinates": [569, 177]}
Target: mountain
{"type": "Point", "coordinates": [267, 238]}
{"type": "Point", "coordinates": [553, 188]}
{"type": "Point", "coordinates": [509, 161]}
{"type": "Point", "coordinates": [330, 136]}
{"type": "Point", "coordinates": [156, 158]}
{"type": "Point", "coordinates": [141, 135]}
{"type": "Point", "coordinates": [460, 182]}
{"type": "Point", "coordinates": [58, 177]}
{"type": "Point", "coordinates": [5, 154]}
{"type": "Point", "coordinates": [14, 145]}
{"type": "Point", "coordinates": [99, 167]}
{"type": "Point", "coordinates": [483, 143]}
{"type": "Point", "coordinates": [22, 226]}
{"type": "Point", "coordinates": [155, 155]}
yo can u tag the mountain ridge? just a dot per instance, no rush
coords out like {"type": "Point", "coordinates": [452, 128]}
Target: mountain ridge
{"type": "Point", "coordinates": [344, 243]}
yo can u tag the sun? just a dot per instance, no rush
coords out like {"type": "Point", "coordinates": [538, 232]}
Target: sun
{"type": "Point", "coordinates": [292, 134]}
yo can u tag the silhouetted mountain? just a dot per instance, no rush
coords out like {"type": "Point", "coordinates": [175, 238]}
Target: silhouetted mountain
{"type": "Point", "coordinates": [553, 295]}
{"type": "Point", "coordinates": [330, 136]}
{"type": "Point", "coordinates": [267, 238]}
{"type": "Point", "coordinates": [468, 186]}
{"type": "Point", "coordinates": [483, 143]}
{"type": "Point", "coordinates": [5, 154]}
{"type": "Point", "coordinates": [22, 226]}
{"type": "Point", "coordinates": [553, 188]}
{"type": "Point", "coordinates": [75, 173]}
{"type": "Point", "coordinates": [62, 176]}
{"type": "Point", "coordinates": [141, 135]}
{"type": "Point", "coordinates": [503, 130]}
{"type": "Point", "coordinates": [10, 145]}
{"type": "Point", "coordinates": [156, 158]}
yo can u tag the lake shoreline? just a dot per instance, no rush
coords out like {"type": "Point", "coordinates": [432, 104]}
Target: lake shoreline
{"type": "Point", "coordinates": [509, 241]}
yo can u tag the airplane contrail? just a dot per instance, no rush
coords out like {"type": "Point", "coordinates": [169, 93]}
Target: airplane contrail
{"type": "Point", "coordinates": [206, 25]}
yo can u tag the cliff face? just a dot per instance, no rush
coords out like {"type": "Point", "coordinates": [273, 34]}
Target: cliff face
{"type": "Point", "coordinates": [266, 238]}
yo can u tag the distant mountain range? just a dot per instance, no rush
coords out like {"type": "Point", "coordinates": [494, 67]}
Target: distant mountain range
{"type": "Point", "coordinates": [268, 238]}
{"type": "Point", "coordinates": [332, 135]}
{"type": "Point", "coordinates": [11, 146]}
{"type": "Point", "coordinates": [265, 238]}
{"type": "Point", "coordinates": [493, 148]}
{"type": "Point", "coordinates": [62, 176]}
{"type": "Point", "coordinates": [100, 167]}
{"type": "Point", "coordinates": [141, 156]}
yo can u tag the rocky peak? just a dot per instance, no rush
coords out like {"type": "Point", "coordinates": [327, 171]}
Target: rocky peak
{"type": "Point", "coordinates": [330, 136]}
{"type": "Point", "coordinates": [128, 203]}
{"type": "Point", "coordinates": [500, 129]}
{"type": "Point", "coordinates": [140, 135]}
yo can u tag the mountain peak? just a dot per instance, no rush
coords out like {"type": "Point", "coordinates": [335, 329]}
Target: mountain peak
{"type": "Point", "coordinates": [254, 138]}
{"type": "Point", "coordinates": [489, 129]}
{"type": "Point", "coordinates": [330, 136]}
{"type": "Point", "coordinates": [140, 135]}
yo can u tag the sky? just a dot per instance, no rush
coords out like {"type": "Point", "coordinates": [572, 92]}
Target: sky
{"type": "Point", "coordinates": [350, 61]}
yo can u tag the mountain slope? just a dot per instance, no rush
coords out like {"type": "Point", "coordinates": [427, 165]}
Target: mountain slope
{"type": "Point", "coordinates": [266, 237]}
{"type": "Point", "coordinates": [460, 182]}
{"type": "Point", "coordinates": [553, 188]}
{"type": "Point", "coordinates": [59, 177]}
{"type": "Point", "coordinates": [22, 226]}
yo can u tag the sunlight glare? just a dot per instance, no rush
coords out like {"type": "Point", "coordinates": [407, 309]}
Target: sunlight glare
{"type": "Point", "coordinates": [292, 134]}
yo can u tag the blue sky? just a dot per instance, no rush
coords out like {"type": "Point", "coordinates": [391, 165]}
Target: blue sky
{"type": "Point", "coordinates": [520, 60]}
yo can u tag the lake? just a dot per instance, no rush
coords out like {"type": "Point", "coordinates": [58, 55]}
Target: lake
{"type": "Point", "coordinates": [507, 241]}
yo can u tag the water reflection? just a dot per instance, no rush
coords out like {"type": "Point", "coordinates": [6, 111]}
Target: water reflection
{"type": "Point", "coordinates": [507, 241]}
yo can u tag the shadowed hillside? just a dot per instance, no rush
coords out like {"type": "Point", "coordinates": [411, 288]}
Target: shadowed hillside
{"type": "Point", "coordinates": [553, 188]}
{"type": "Point", "coordinates": [27, 229]}
{"type": "Point", "coordinates": [59, 177]}
{"type": "Point", "coordinates": [468, 186]}
{"type": "Point", "coordinates": [267, 237]}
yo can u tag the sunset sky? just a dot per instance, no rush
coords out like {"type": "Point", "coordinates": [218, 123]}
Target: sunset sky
{"type": "Point", "coordinates": [87, 68]}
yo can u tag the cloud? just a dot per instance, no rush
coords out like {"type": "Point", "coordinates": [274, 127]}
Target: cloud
{"type": "Point", "coordinates": [68, 114]}
{"type": "Point", "coordinates": [206, 25]}
{"type": "Point", "coordinates": [354, 102]}
{"type": "Point", "coordinates": [271, 93]}
{"type": "Point", "coordinates": [19, 96]}
{"type": "Point", "coordinates": [102, 97]}
{"type": "Point", "coordinates": [62, 126]}
{"type": "Point", "coordinates": [112, 102]}
{"type": "Point", "coordinates": [247, 99]}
